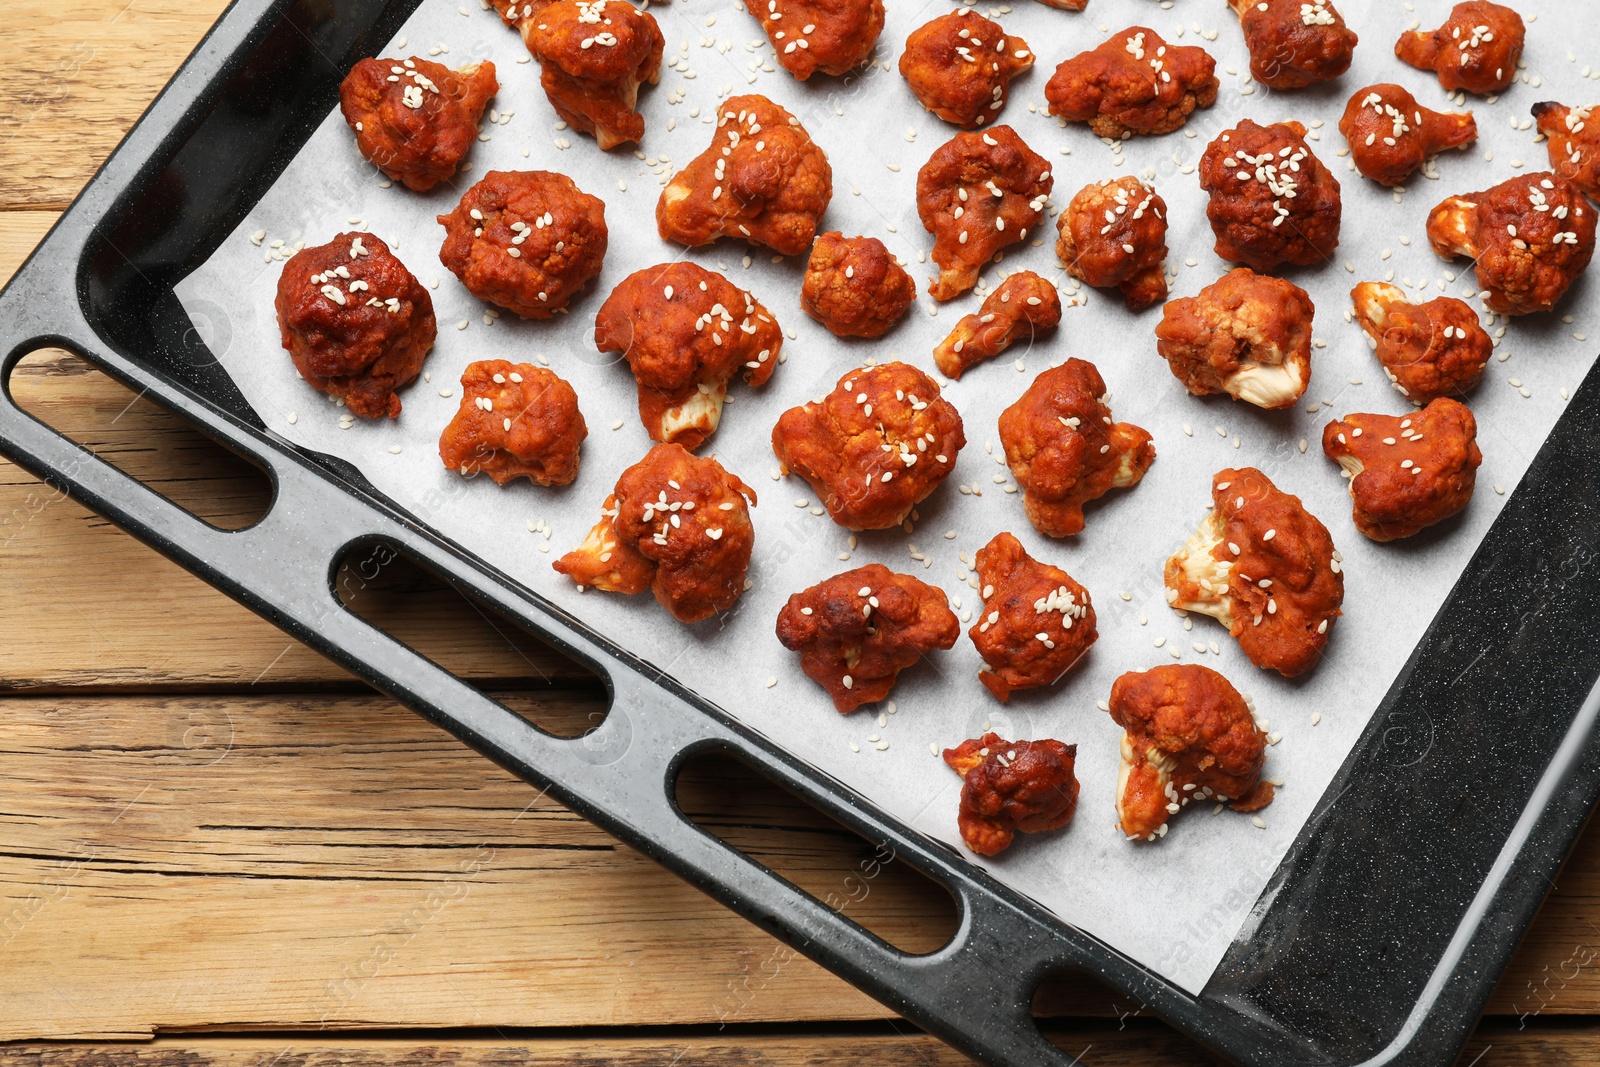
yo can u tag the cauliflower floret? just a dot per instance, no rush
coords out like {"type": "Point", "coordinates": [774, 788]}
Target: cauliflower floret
{"type": "Point", "coordinates": [414, 119]}
{"type": "Point", "coordinates": [978, 194]}
{"type": "Point", "coordinates": [355, 321]}
{"type": "Point", "coordinates": [1024, 305]}
{"type": "Point", "coordinates": [1113, 235]}
{"type": "Point", "coordinates": [857, 631]}
{"type": "Point", "coordinates": [1391, 135]}
{"type": "Point", "coordinates": [875, 447]}
{"type": "Point", "coordinates": [593, 56]}
{"type": "Point", "coordinates": [1012, 787]}
{"type": "Point", "coordinates": [1064, 449]}
{"type": "Point", "coordinates": [1531, 238]}
{"type": "Point", "coordinates": [960, 65]}
{"type": "Point", "coordinates": [1037, 622]}
{"type": "Point", "coordinates": [854, 287]}
{"type": "Point", "coordinates": [1272, 202]}
{"type": "Point", "coordinates": [1477, 49]}
{"type": "Point", "coordinates": [1427, 350]}
{"type": "Point", "coordinates": [1247, 335]}
{"type": "Point", "coordinates": [762, 179]}
{"type": "Point", "coordinates": [515, 421]}
{"type": "Point", "coordinates": [1264, 567]}
{"type": "Point", "coordinates": [686, 331]}
{"type": "Point", "coordinates": [1574, 144]}
{"type": "Point", "coordinates": [677, 525]}
{"type": "Point", "coordinates": [1135, 82]}
{"type": "Point", "coordinates": [1294, 43]}
{"type": "Point", "coordinates": [826, 36]}
{"type": "Point", "coordinates": [1406, 472]}
{"type": "Point", "coordinates": [1189, 736]}
{"type": "Point", "coordinates": [526, 241]}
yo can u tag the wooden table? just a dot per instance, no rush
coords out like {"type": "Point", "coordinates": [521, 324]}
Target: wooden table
{"type": "Point", "coordinates": [217, 847]}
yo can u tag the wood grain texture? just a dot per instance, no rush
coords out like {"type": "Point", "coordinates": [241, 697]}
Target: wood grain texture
{"type": "Point", "coordinates": [20, 231]}
{"type": "Point", "coordinates": [196, 861]}
{"type": "Point", "coordinates": [79, 75]}
{"type": "Point", "coordinates": [1107, 1047]}
{"type": "Point", "coordinates": [1133, 1043]}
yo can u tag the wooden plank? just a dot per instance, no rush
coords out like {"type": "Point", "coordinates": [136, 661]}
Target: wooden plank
{"type": "Point", "coordinates": [20, 231]}
{"type": "Point", "coordinates": [1145, 1047]}
{"type": "Point", "coordinates": [193, 862]}
{"type": "Point", "coordinates": [80, 74]}
{"type": "Point", "coordinates": [198, 862]}
{"type": "Point", "coordinates": [1134, 1043]}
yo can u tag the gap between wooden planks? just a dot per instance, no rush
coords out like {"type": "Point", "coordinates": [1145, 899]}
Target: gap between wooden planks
{"type": "Point", "coordinates": [1136, 1044]}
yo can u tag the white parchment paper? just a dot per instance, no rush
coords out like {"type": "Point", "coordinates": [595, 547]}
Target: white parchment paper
{"type": "Point", "coordinates": [1175, 906]}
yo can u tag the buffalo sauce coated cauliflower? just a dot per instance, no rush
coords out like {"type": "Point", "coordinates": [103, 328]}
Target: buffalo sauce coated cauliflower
{"type": "Point", "coordinates": [857, 631]}
{"type": "Point", "coordinates": [1247, 335]}
{"type": "Point", "coordinates": [1113, 235]}
{"type": "Point", "coordinates": [686, 331]}
{"type": "Point", "coordinates": [1189, 735]}
{"type": "Point", "coordinates": [1294, 43]}
{"type": "Point", "coordinates": [1391, 135]}
{"type": "Point", "coordinates": [1531, 238]}
{"type": "Point", "coordinates": [960, 65]}
{"type": "Point", "coordinates": [826, 36]}
{"type": "Point", "coordinates": [1427, 350]}
{"type": "Point", "coordinates": [1024, 305]}
{"type": "Point", "coordinates": [1264, 567]}
{"type": "Point", "coordinates": [1037, 622]}
{"type": "Point", "coordinates": [676, 525]}
{"type": "Point", "coordinates": [875, 447]}
{"type": "Point", "coordinates": [1272, 201]}
{"type": "Point", "coordinates": [1406, 472]}
{"type": "Point", "coordinates": [763, 179]}
{"type": "Point", "coordinates": [1477, 48]}
{"type": "Point", "coordinates": [1133, 83]}
{"type": "Point", "coordinates": [593, 56]}
{"type": "Point", "coordinates": [854, 287]}
{"type": "Point", "coordinates": [978, 194]}
{"type": "Point", "coordinates": [1065, 451]}
{"type": "Point", "coordinates": [527, 241]}
{"type": "Point", "coordinates": [356, 322]}
{"type": "Point", "coordinates": [1012, 787]}
{"type": "Point", "coordinates": [515, 421]}
{"type": "Point", "coordinates": [415, 119]}
{"type": "Point", "coordinates": [1574, 144]}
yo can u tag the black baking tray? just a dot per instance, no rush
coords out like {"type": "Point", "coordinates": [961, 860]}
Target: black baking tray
{"type": "Point", "coordinates": [1379, 937]}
